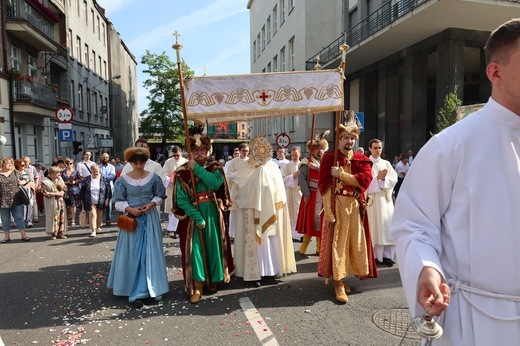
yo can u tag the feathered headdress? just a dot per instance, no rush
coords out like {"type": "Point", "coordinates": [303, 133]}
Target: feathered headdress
{"type": "Point", "coordinates": [197, 140]}
{"type": "Point", "coordinates": [351, 126]}
{"type": "Point", "coordinates": [319, 141]}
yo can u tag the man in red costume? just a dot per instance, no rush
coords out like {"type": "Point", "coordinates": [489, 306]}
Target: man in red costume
{"type": "Point", "coordinates": [309, 216]}
{"type": "Point", "coordinates": [346, 246]}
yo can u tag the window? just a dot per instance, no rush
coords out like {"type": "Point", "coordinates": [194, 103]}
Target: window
{"type": "Point", "coordinates": [98, 29]}
{"type": "Point", "coordinates": [292, 123]}
{"type": "Point", "coordinates": [72, 95]}
{"type": "Point", "coordinates": [263, 37]}
{"type": "Point", "coordinates": [32, 70]}
{"type": "Point", "coordinates": [282, 59]}
{"type": "Point", "coordinates": [254, 51]}
{"type": "Point", "coordinates": [92, 19]}
{"type": "Point", "coordinates": [282, 12]}
{"type": "Point", "coordinates": [269, 67]}
{"type": "Point", "coordinates": [100, 66]}
{"type": "Point", "coordinates": [94, 69]}
{"type": "Point", "coordinates": [275, 17]}
{"type": "Point", "coordinates": [258, 46]}
{"type": "Point", "coordinates": [95, 106]}
{"type": "Point", "coordinates": [103, 33]}
{"type": "Point", "coordinates": [89, 106]}
{"type": "Point", "coordinates": [275, 63]}
{"type": "Point", "coordinates": [87, 58]}
{"type": "Point", "coordinates": [16, 58]}
{"type": "Point", "coordinates": [80, 97]}
{"type": "Point", "coordinates": [291, 5]}
{"type": "Point", "coordinates": [282, 120]}
{"type": "Point", "coordinates": [268, 29]}
{"type": "Point", "coordinates": [70, 41]}
{"type": "Point", "coordinates": [78, 8]}
{"type": "Point", "coordinates": [105, 71]}
{"type": "Point", "coordinates": [291, 54]}
{"type": "Point", "coordinates": [85, 10]}
{"type": "Point", "coordinates": [78, 48]}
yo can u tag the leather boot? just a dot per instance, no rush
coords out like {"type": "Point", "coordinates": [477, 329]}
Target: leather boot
{"type": "Point", "coordinates": [305, 244]}
{"type": "Point", "coordinates": [339, 288]}
{"type": "Point", "coordinates": [197, 291]}
{"type": "Point", "coordinates": [318, 244]}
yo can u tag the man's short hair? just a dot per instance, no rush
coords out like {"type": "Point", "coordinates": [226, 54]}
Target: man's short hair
{"type": "Point", "coordinates": [502, 41]}
{"type": "Point", "coordinates": [141, 140]}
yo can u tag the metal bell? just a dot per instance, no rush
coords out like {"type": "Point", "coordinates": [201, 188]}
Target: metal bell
{"type": "Point", "coordinates": [426, 327]}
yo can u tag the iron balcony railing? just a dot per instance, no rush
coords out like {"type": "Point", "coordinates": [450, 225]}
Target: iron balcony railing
{"type": "Point", "coordinates": [377, 20]}
{"type": "Point", "coordinates": [22, 9]}
{"type": "Point", "coordinates": [34, 92]}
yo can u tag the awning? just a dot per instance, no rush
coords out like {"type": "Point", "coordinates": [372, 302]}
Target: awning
{"type": "Point", "coordinates": [217, 99]}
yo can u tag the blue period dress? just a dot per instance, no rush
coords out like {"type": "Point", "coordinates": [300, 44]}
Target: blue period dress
{"type": "Point", "coordinates": [138, 269]}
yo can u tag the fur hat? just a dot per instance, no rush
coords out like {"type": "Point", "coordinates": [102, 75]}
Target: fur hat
{"type": "Point", "coordinates": [351, 127]}
{"type": "Point", "coordinates": [136, 154]}
{"type": "Point", "coordinates": [319, 141]}
{"type": "Point", "coordinates": [198, 141]}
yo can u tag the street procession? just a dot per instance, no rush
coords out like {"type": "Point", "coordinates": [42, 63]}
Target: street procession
{"type": "Point", "coordinates": [328, 195]}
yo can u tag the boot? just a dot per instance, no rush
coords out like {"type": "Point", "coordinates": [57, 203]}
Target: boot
{"type": "Point", "coordinates": [53, 235]}
{"type": "Point", "coordinates": [318, 244]}
{"type": "Point", "coordinates": [339, 289]}
{"type": "Point", "coordinates": [197, 291]}
{"type": "Point", "coordinates": [305, 244]}
{"type": "Point", "coordinates": [61, 235]}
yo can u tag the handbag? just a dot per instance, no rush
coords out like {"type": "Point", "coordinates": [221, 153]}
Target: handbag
{"type": "Point", "coordinates": [25, 195]}
{"type": "Point", "coordinates": [127, 222]}
{"type": "Point", "coordinates": [74, 189]}
{"type": "Point", "coordinates": [83, 218]}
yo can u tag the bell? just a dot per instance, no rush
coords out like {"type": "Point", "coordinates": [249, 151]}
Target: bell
{"type": "Point", "coordinates": [426, 327]}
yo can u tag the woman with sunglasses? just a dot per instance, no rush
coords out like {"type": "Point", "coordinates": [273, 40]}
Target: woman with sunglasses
{"type": "Point", "coordinates": [72, 179]}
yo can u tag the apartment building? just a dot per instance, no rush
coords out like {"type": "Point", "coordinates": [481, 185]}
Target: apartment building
{"type": "Point", "coordinates": [58, 53]}
{"type": "Point", "coordinates": [406, 55]}
{"type": "Point", "coordinates": [283, 34]}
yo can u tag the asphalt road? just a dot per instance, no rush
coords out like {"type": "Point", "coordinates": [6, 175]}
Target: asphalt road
{"type": "Point", "coordinates": [53, 292]}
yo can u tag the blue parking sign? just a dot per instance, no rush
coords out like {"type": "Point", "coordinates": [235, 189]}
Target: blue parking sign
{"type": "Point", "coordinates": [65, 135]}
{"type": "Point", "coordinates": [360, 119]}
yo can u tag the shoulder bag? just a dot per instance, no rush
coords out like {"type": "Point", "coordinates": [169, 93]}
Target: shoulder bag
{"type": "Point", "coordinates": [127, 222]}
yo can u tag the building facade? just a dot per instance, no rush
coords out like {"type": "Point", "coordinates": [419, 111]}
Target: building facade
{"type": "Point", "coordinates": [57, 54]}
{"type": "Point", "coordinates": [283, 34]}
{"type": "Point", "coordinates": [405, 56]}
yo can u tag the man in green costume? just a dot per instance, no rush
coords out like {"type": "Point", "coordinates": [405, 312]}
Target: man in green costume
{"type": "Point", "coordinates": [204, 237]}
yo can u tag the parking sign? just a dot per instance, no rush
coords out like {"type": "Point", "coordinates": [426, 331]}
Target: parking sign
{"type": "Point", "coordinates": [65, 135]}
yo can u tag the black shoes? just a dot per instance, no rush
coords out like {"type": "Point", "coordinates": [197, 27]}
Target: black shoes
{"type": "Point", "coordinates": [254, 283]}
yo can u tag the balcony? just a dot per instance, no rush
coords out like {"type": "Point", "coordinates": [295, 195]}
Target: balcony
{"type": "Point", "coordinates": [33, 94]}
{"type": "Point", "coordinates": [32, 23]}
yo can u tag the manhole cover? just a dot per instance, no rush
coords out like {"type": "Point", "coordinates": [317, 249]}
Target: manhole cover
{"type": "Point", "coordinates": [395, 321]}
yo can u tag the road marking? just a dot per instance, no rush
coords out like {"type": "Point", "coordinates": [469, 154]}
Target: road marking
{"type": "Point", "coordinates": [262, 331]}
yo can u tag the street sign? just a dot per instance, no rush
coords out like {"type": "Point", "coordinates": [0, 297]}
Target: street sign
{"type": "Point", "coordinates": [360, 119]}
{"type": "Point", "coordinates": [65, 126]}
{"type": "Point", "coordinates": [65, 135]}
{"type": "Point", "coordinates": [283, 140]}
{"type": "Point", "coordinates": [64, 114]}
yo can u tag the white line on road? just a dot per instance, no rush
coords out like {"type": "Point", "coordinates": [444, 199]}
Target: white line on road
{"type": "Point", "coordinates": [262, 331]}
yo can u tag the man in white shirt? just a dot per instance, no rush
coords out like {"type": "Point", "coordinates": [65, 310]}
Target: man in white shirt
{"type": "Point", "coordinates": [107, 170]}
{"type": "Point", "coordinates": [455, 221]}
{"type": "Point", "coordinates": [231, 173]}
{"type": "Point", "coordinates": [381, 207]}
{"type": "Point", "coordinates": [402, 169]}
{"type": "Point", "coordinates": [84, 166]}
{"type": "Point", "coordinates": [290, 175]}
{"type": "Point", "coordinates": [168, 170]}
{"type": "Point", "coordinates": [280, 157]}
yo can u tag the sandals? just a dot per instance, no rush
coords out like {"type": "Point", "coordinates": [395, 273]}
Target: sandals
{"type": "Point", "coordinates": [3, 241]}
{"type": "Point", "coordinates": [26, 239]}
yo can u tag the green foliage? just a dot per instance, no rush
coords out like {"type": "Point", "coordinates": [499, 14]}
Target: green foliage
{"type": "Point", "coordinates": [448, 113]}
{"type": "Point", "coordinates": [164, 114]}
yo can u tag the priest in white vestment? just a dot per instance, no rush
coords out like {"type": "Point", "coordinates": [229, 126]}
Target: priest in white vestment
{"type": "Point", "coordinates": [263, 244]}
{"type": "Point", "coordinates": [167, 174]}
{"type": "Point", "coordinates": [231, 172]}
{"type": "Point", "coordinates": [381, 205]}
{"type": "Point", "coordinates": [290, 175]}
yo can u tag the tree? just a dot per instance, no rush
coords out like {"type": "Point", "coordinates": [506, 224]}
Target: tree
{"type": "Point", "coordinates": [448, 113]}
{"type": "Point", "coordinates": [164, 113]}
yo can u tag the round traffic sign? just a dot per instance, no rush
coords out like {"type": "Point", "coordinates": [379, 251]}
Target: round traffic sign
{"type": "Point", "coordinates": [283, 140]}
{"type": "Point", "coordinates": [64, 114]}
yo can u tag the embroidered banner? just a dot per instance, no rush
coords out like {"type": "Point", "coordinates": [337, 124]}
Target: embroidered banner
{"type": "Point", "coordinates": [214, 99]}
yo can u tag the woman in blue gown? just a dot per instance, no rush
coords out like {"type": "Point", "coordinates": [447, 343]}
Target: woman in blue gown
{"type": "Point", "coordinates": [138, 269]}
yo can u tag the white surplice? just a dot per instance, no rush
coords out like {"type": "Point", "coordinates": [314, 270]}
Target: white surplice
{"type": "Point", "coordinates": [381, 209]}
{"type": "Point", "coordinates": [294, 195]}
{"type": "Point", "coordinates": [456, 212]}
{"type": "Point", "coordinates": [263, 243]}
{"type": "Point", "coordinates": [170, 166]}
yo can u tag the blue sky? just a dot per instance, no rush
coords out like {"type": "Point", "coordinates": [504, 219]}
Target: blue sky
{"type": "Point", "coordinates": [214, 33]}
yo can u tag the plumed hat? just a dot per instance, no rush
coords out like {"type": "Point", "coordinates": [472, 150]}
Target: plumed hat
{"type": "Point", "coordinates": [351, 127]}
{"type": "Point", "coordinates": [136, 154]}
{"type": "Point", "coordinates": [319, 141]}
{"type": "Point", "coordinates": [198, 140]}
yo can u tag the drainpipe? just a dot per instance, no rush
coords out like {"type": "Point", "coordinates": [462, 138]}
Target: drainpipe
{"type": "Point", "coordinates": [5, 56]}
